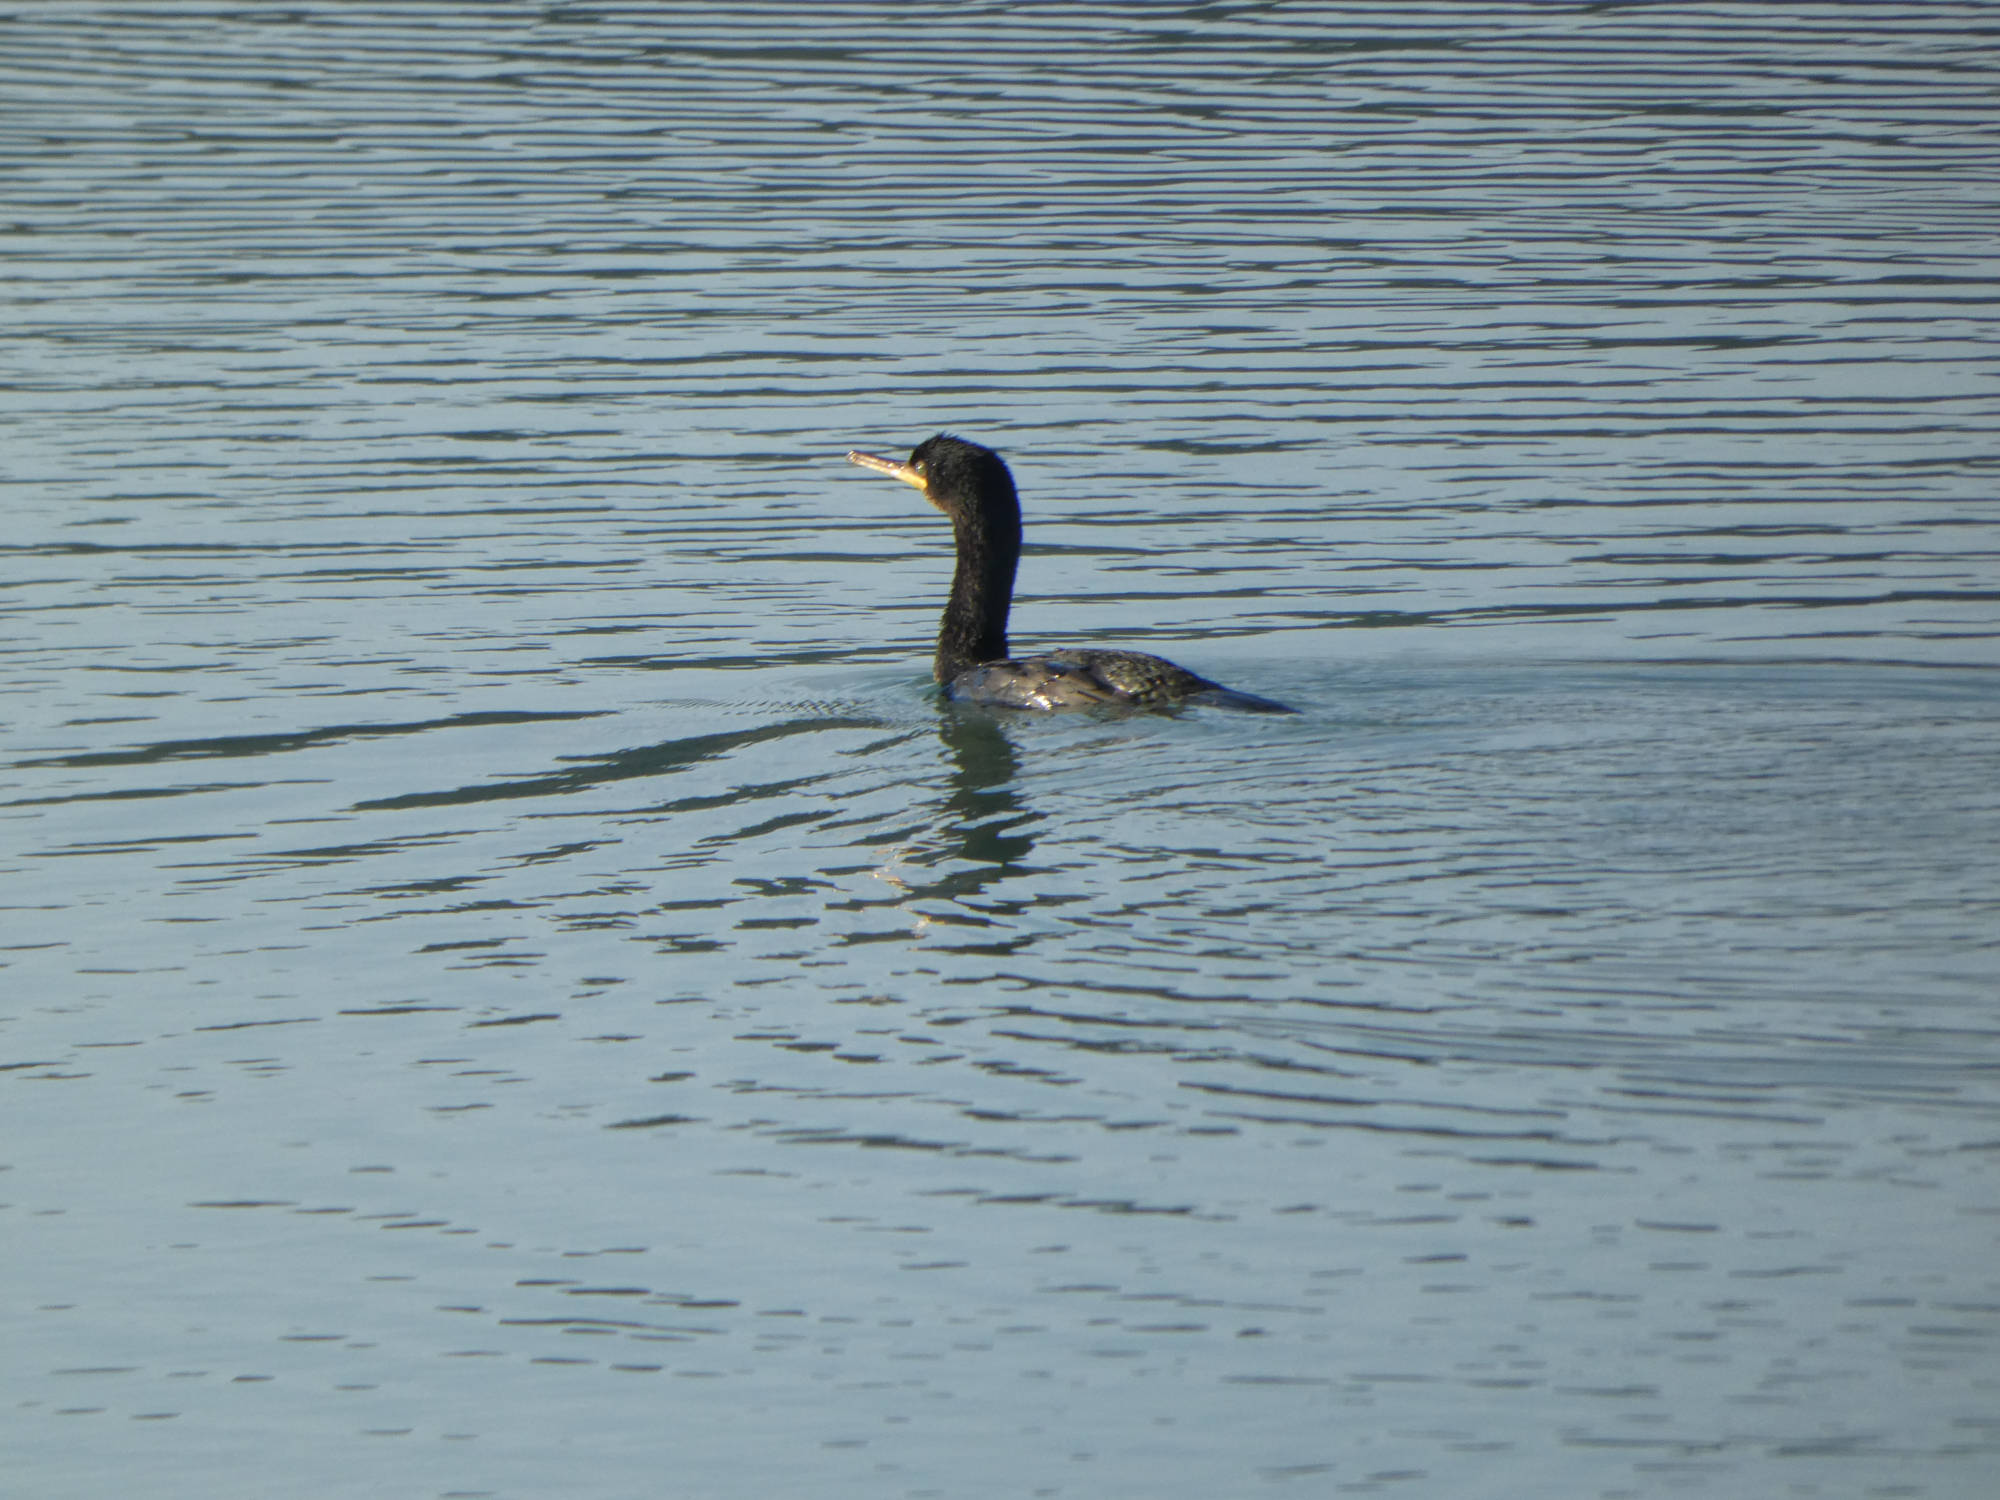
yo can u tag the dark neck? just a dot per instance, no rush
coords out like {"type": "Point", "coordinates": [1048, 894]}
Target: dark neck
{"type": "Point", "coordinates": [982, 589]}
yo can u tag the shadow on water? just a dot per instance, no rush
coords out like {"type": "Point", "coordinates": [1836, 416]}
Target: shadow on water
{"type": "Point", "coordinates": [624, 765]}
{"type": "Point", "coordinates": [235, 746]}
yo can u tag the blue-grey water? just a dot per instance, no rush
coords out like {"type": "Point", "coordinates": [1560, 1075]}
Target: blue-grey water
{"type": "Point", "coordinates": [513, 986]}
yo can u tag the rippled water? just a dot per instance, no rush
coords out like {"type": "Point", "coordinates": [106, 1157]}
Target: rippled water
{"type": "Point", "coordinates": [515, 987]}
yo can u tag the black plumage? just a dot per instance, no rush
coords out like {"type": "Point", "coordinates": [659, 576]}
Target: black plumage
{"type": "Point", "coordinates": [972, 486]}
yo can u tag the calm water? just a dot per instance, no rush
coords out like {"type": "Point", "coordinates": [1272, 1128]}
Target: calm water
{"type": "Point", "coordinates": [515, 988]}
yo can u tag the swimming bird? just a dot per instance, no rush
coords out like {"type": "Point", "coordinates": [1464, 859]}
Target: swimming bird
{"type": "Point", "coordinates": [971, 485]}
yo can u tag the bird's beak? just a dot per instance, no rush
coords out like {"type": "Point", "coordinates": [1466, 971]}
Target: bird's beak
{"type": "Point", "coordinates": [905, 472]}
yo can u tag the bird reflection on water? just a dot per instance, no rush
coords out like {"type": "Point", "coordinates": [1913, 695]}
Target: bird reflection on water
{"type": "Point", "coordinates": [981, 837]}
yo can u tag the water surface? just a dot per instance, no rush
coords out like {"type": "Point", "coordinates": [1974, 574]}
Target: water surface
{"type": "Point", "coordinates": [515, 987]}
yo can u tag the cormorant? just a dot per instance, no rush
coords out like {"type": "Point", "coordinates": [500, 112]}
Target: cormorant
{"type": "Point", "coordinates": [971, 485]}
